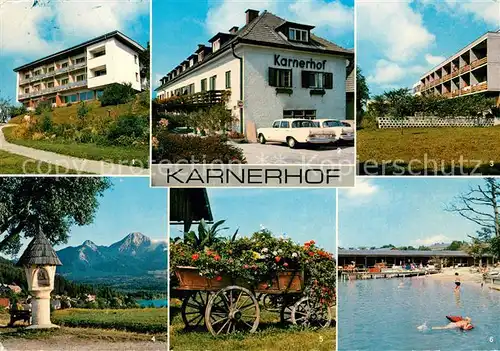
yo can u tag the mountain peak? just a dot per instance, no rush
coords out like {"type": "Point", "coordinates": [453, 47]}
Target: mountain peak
{"type": "Point", "coordinates": [90, 244]}
{"type": "Point", "coordinates": [137, 239]}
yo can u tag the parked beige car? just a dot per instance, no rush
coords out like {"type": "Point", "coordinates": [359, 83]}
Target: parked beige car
{"type": "Point", "coordinates": [341, 131]}
{"type": "Point", "coordinates": [296, 131]}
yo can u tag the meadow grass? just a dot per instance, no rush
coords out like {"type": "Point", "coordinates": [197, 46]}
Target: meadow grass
{"type": "Point", "coordinates": [15, 164]}
{"type": "Point", "coordinates": [139, 320]}
{"type": "Point", "coordinates": [270, 336]}
{"type": "Point", "coordinates": [132, 155]}
{"type": "Point", "coordinates": [431, 146]}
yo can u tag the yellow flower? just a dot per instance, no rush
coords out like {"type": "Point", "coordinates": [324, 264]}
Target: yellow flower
{"type": "Point", "coordinates": [255, 255]}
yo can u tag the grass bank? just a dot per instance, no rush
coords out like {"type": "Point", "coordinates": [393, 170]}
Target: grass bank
{"type": "Point", "coordinates": [138, 320]}
{"type": "Point", "coordinates": [270, 336]}
{"type": "Point", "coordinates": [420, 149]}
{"type": "Point", "coordinates": [132, 156]}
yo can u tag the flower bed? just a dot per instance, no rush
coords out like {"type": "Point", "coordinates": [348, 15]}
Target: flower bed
{"type": "Point", "coordinates": [262, 262]}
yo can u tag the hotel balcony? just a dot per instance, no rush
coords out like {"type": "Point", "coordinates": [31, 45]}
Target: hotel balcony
{"type": "Point", "coordinates": [57, 89]}
{"type": "Point", "coordinates": [54, 73]}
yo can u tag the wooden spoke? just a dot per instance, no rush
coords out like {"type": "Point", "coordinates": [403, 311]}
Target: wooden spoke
{"type": "Point", "coordinates": [193, 309]}
{"type": "Point", "coordinates": [231, 303]}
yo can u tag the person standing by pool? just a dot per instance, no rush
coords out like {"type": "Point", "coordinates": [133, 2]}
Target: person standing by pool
{"type": "Point", "coordinates": [484, 272]}
{"type": "Point", "coordinates": [457, 282]}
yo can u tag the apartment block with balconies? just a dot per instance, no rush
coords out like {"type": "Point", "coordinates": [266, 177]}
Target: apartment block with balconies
{"type": "Point", "coordinates": [474, 69]}
{"type": "Point", "coordinates": [80, 73]}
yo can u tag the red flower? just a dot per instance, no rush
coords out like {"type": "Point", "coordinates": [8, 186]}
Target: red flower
{"type": "Point", "coordinates": [311, 253]}
{"type": "Point", "coordinates": [219, 278]}
{"type": "Point", "coordinates": [265, 286]}
{"type": "Point", "coordinates": [217, 257]}
{"type": "Point", "coordinates": [277, 258]}
{"type": "Point", "coordinates": [312, 242]}
{"type": "Point", "coordinates": [285, 264]}
{"type": "Point", "coordinates": [195, 256]}
{"type": "Point", "coordinates": [245, 266]}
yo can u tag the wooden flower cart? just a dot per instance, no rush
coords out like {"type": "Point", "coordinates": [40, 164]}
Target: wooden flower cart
{"type": "Point", "coordinates": [224, 305]}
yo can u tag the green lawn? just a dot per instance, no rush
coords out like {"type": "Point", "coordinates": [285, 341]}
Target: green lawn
{"type": "Point", "coordinates": [270, 336]}
{"type": "Point", "coordinates": [429, 149]}
{"type": "Point", "coordinates": [14, 164]}
{"type": "Point", "coordinates": [139, 320]}
{"type": "Point", "coordinates": [113, 154]}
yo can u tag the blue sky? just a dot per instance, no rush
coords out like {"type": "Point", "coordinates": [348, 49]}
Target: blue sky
{"type": "Point", "coordinates": [399, 41]}
{"type": "Point", "coordinates": [180, 25]}
{"type": "Point", "coordinates": [302, 214]}
{"type": "Point", "coordinates": [402, 211]}
{"type": "Point", "coordinates": [129, 206]}
{"type": "Point", "coordinates": [28, 33]}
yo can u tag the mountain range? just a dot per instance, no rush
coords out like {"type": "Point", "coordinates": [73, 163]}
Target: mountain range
{"type": "Point", "coordinates": [136, 255]}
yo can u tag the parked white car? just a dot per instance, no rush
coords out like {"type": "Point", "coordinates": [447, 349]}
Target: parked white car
{"type": "Point", "coordinates": [341, 131]}
{"type": "Point", "coordinates": [294, 132]}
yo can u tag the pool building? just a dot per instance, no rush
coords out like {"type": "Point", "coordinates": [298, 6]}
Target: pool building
{"type": "Point", "coordinates": [81, 72]}
{"type": "Point", "coordinates": [270, 68]}
{"type": "Point", "coordinates": [370, 258]}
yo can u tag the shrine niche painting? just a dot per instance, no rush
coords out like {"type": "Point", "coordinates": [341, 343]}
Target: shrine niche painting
{"type": "Point", "coordinates": [42, 278]}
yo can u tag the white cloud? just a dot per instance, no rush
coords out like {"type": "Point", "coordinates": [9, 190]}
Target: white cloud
{"type": "Point", "coordinates": [324, 15]}
{"type": "Point", "coordinates": [364, 188]}
{"type": "Point", "coordinates": [20, 30]}
{"type": "Point", "coordinates": [50, 26]}
{"type": "Point", "coordinates": [333, 15]}
{"type": "Point", "coordinates": [487, 11]}
{"type": "Point", "coordinates": [434, 60]}
{"type": "Point", "coordinates": [388, 72]}
{"type": "Point", "coordinates": [440, 238]}
{"type": "Point", "coordinates": [394, 27]}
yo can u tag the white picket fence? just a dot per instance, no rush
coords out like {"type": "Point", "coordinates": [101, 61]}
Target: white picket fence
{"type": "Point", "coordinates": [432, 122]}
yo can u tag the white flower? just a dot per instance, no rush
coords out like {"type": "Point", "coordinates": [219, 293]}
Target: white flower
{"type": "Point", "coordinates": [280, 251]}
{"type": "Point", "coordinates": [275, 253]}
{"type": "Point", "coordinates": [294, 254]}
{"type": "Point", "coordinates": [265, 249]}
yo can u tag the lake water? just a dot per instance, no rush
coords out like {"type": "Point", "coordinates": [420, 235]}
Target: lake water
{"type": "Point", "coordinates": [381, 315]}
{"type": "Point", "coordinates": [156, 303]}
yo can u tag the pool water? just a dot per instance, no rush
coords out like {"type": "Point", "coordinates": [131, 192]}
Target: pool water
{"type": "Point", "coordinates": [381, 314]}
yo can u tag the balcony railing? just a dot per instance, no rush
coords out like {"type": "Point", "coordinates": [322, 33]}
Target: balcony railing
{"type": "Point", "coordinates": [53, 89]}
{"type": "Point", "coordinates": [455, 73]}
{"type": "Point", "coordinates": [480, 62]}
{"type": "Point", "coordinates": [53, 73]}
{"type": "Point", "coordinates": [194, 101]}
{"type": "Point", "coordinates": [480, 87]}
{"type": "Point", "coordinates": [465, 68]}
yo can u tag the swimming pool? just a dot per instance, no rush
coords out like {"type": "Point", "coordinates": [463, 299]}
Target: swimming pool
{"type": "Point", "coordinates": [380, 314]}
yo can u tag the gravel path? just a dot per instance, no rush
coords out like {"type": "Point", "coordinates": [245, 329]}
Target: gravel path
{"type": "Point", "coordinates": [69, 344]}
{"type": "Point", "coordinates": [69, 162]}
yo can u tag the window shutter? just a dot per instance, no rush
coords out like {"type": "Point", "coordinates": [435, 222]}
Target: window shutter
{"type": "Point", "coordinates": [328, 80]}
{"type": "Point", "coordinates": [291, 78]}
{"type": "Point", "coordinates": [272, 77]}
{"type": "Point", "coordinates": [306, 79]}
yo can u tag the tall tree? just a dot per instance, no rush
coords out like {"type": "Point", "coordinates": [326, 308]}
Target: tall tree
{"type": "Point", "coordinates": [362, 95]}
{"type": "Point", "coordinates": [480, 204]}
{"type": "Point", "coordinates": [51, 204]}
{"type": "Point", "coordinates": [5, 108]}
{"type": "Point", "coordinates": [145, 60]}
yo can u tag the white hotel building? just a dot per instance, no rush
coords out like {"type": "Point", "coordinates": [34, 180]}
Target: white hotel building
{"type": "Point", "coordinates": [81, 72]}
{"type": "Point", "coordinates": [274, 69]}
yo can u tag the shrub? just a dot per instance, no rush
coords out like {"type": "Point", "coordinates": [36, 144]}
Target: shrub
{"type": "Point", "coordinates": [176, 148]}
{"type": "Point", "coordinates": [18, 110]}
{"type": "Point", "coordinates": [43, 106]}
{"type": "Point", "coordinates": [116, 94]}
{"type": "Point", "coordinates": [134, 127]}
{"type": "Point", "coordinates": [46, 123]}
{"type": "Point", "coordinates": [83, 110]}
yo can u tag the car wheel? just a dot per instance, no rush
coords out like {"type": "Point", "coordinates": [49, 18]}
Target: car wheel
{"type": "Point", "coordinates": [262, 140]}
{"type": "Point", "coordinates": [292, 143]}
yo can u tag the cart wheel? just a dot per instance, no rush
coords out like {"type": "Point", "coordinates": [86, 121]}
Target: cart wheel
{"type": "Point", "coordinates": [232, 309]}
{"type": "Point", "coordinates": [193, 309]}
{"type": "Point", "coordinates": [310, 313]}
{"type": "Point", "coordinates": [286, 313]}
{"type": "Point", "coordinates": [273, 303]}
